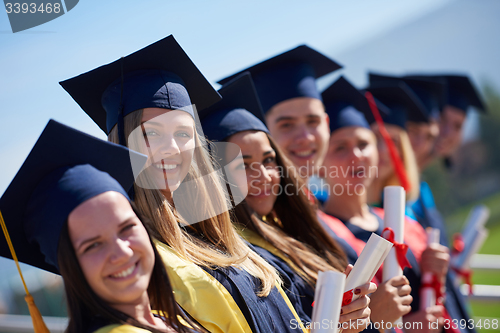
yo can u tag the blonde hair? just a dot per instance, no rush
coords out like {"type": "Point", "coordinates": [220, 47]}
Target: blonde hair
{"type": "Point", "coordinates": [217, 244]}
{"type": "Point", "coordinates": [411, 168]}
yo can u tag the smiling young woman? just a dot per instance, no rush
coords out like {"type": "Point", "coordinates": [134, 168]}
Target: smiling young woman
{"type": "Point", "coordinates": [79, 222]}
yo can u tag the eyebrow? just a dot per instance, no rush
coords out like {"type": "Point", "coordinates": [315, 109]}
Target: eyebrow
{"type": "Point", "coordinates": [284, 118]}
{"type": "Point", "coordinates": [159, 124]}
{"type": "Point", "coordinates": [264, 154]}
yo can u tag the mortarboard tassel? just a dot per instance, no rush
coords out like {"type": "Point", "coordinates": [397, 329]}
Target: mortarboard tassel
{"type": "Point", "coordinates": [396, 159]}
{"type": "Point", "coordinates": [38, 323]}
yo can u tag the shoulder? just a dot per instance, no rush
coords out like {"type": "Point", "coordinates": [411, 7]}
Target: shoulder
{"type": "Point", "coordinates": [118, 328]}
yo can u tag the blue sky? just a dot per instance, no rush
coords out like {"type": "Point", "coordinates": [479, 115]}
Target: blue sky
{"type": "Point", "coordinates": [220, 37]}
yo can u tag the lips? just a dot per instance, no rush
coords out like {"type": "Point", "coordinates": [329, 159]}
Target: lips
{"type": "Point", "coordinates": [124, 273]}
{"type": "Point", "coordinates": [165, 166]}
{"type": "Point", "coordinates": [303, 154]}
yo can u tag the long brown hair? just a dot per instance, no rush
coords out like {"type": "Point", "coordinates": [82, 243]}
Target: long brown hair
{"type": "Point", "coordinates": [218, 245]}
{"type": "Point", "coordinates": [84, 306]}
{"type": "Point", "coordinates": [296, 231]}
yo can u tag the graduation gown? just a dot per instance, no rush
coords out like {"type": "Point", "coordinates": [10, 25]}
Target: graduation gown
{"type": "Point", "coordinates": [224, 299]}
{"type": "Point", "coordinates": [300, 293]}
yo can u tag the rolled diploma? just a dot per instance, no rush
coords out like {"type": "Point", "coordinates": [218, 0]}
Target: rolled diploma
{"type": "Point", "coordinates": [394, 214]}
{"type": "Point", "coordinates": [473, 243]}
{"type": "Point", "coordinates": [477, 219]}
{"type": "Point", "coordinates": [427, 294]}
{"type": "Point", "coordinates": [368, 263]}
{"type": "Point", "coordinates": [327, 302]}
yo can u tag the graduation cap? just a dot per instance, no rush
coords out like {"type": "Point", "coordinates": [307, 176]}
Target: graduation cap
{"type": "Point", "coordinates": [347, 106]}
{"type": "Point", "coordinates": [461, 93]}
{"type": "Point", "coordinates": [239, 110]}
{"type": "Point", "coordinates": [403, 103]}
{"type": "Point", "coordinates": [430, 91]}
{"type": "Point", "coordinates": [288, 75]}
{"type": "Point", "coordinates": [160, 75]}
{"type": "Point", "coordinates": [65, 168]}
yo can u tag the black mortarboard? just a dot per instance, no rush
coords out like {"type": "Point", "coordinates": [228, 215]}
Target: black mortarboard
{"type": "Point", "coordinates": [288, 75]}
{"type": "Point", "coordinates": [347, 106]}
{"type": "Point", "coordinates": [430, 91]}
{"type": "Point", "coordinates": [65, 168]}
{"type": "Point", "coordinates": [461, 93]}
{"type": "Point", "coordinates": [159, 75]}
{"type": "Point", "coordinates": [403, 103]}
{"type": "Point", "coordinates": [238, 111]}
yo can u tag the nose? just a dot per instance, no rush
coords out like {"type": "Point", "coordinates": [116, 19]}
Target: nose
{"type": "Point", "coordinates": [356, 154]}
{"type": "Point", "coordinates": [260, 175]}
{"type": "Point", "coordinates": [121, 251]}
{"type": "Point", "coordinates": [304, 135]}
{"type": "Point", "coordinates": [169, 146]}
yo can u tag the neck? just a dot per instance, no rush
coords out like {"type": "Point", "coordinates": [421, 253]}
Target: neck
{"type": "Point", "coordinates": [139, 310]}
{"type": "Point", "coordinates": [347, 205]}
{"type": "Point", "coordinates": [352, 208]}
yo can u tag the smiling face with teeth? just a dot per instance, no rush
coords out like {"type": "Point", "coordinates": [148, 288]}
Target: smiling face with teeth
{"type": "Point", "coordinates": [300, 126]}
{"type": "Point", "coordinates": [113, 249]}
{"type": "Point", "coordinates": [168, 138]}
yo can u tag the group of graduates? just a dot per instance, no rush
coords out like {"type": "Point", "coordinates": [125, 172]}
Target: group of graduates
{"type": "Point", "coordinates": [195, 216]}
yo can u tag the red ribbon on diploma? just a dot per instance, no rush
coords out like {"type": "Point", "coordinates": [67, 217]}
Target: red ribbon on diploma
{"type": "Point", "coordinates": [458, 243]}
{"type": "Point", "coordinates": [347, 297]}
{"type": "Point", "coordinates": [466, 274]}
{"type": "Point", "coordinates": [437, 286]}
{"type": "Point", "coordinates": [401, 249]}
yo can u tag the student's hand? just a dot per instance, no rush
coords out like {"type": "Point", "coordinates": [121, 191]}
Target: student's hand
{"type": "Point", "coordinates": [391, 300]}
{"type": "Point", "coordinates": [355, 317]}
{"type": "Point", "coordinates": [436, 259]}
{"type": "Point", "coordinates": [429, 320]}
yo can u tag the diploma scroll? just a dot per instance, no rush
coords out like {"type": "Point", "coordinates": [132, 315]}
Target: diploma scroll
{"type": "Point", "coordinates": [394, 218]}
{"type": "Point", "coordinates": [327, 302]}
{"type": "Point", "coordinates": [368, 263]}
{"type": "Point", "coordinates": [428, 291]}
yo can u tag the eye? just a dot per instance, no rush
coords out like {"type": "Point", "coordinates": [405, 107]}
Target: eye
{"type": "Point", "coordinates": [285, 125]}
{"type": "Point", "coordinates": [150, 133]}
{"type": "Point", "coordinates": [92, 246]}
{"type": "Point", "coordinates": [363, 144]}
{"type": "Point", "coordinates": [339, 148]}
{"type": "Point", "coordinates": [269, 160]}
{"type": "Point", "coordinates": [313, 122]}
{"type": "Point", "coordinates": [183, 134]}
{"type": "Point", "coordinates": [128, 227]}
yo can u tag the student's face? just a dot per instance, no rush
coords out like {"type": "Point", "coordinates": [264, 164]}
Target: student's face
{"type": "Point", "coordinates": [423, 138]}
{"type": "Point", "coordinates": [300, 127]}
{"type": "Point", "coordinates": [352, 158]}
{"type": "Point", "coordinates": [385, 166]}
{"type": "Point", "coordinates": [450, 131]}
{"type": "Point", "coordinates": [169, 142]}
{"type": "Point", "coordinates": [112, 247]}
{"type": "Point", "coordinates": [259, 161]}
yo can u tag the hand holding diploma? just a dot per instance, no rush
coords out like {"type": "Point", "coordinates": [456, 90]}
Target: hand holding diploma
{"type": "Point", "coordinates": [357, 309]}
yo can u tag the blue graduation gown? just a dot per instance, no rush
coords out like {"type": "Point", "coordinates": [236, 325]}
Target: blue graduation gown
{"type": "Point", "coordinates": [263, 314]}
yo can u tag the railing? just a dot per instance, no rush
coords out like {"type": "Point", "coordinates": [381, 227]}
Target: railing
{"type": "Point", "coordinates": [480, 292]}
{"type": "Point", "coordinates": [22, 324]}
